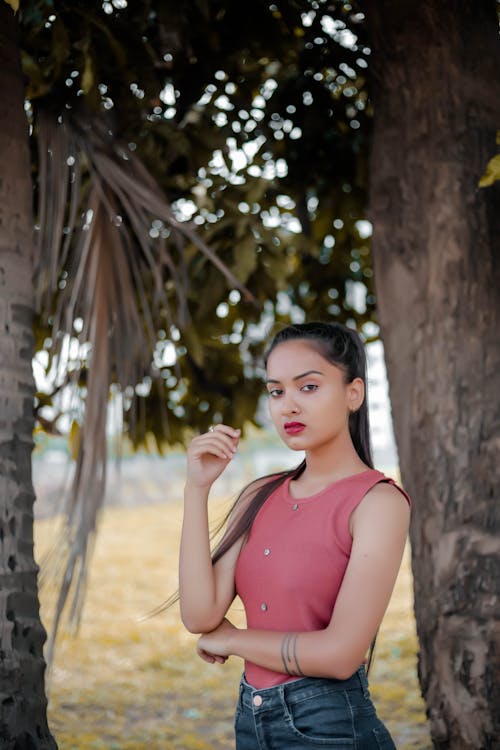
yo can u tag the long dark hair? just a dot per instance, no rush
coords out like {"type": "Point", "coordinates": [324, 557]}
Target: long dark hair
{"type": "Point", "coordinates": [342, 347]}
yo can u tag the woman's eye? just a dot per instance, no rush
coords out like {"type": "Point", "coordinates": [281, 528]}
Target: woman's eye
{"type": "Point", "coordinates": [275, 392]}
{"type": "Point", "coordinates": [309, 387]}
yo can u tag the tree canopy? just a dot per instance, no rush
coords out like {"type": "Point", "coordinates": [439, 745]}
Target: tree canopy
{"type": "Point", "coordinates": [255, 121]}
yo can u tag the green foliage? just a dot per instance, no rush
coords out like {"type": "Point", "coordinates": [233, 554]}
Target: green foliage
{"type": "Point", "coordinates": [255, 120]}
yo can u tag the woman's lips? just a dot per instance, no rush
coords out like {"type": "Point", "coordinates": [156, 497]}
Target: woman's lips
{"type": "Point", "coordinates": [292, 428]}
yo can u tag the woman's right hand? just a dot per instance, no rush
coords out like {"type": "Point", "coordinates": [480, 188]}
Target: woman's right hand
{"type": "Point", "coordinates": [209, 454]}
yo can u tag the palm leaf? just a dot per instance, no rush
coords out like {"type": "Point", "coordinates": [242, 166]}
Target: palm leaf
{"type": "Point", "coordinates": [96, 204]}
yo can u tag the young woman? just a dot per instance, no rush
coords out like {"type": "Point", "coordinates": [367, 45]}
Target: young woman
{"type": "Point", "coordinates": [313, 553]}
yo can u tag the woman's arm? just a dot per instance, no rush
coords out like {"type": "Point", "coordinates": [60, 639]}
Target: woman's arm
{"type": "Point", "coordinates": [205, 591]}
{"type": "Point", "coordinates": [380, 528]}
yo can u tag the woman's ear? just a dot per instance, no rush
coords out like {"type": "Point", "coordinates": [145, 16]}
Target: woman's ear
{"type": "Point", "coordinates": [355, 394]}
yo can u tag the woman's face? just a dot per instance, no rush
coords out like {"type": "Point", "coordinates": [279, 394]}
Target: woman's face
{"type": "Point", "coordinates": [309, 400]}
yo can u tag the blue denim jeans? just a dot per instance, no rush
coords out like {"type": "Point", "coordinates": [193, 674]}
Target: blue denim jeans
{"type": "Point", "coordinates": [310, 712]}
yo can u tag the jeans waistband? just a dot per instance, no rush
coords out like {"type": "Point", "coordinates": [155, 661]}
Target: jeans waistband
{"type": "Point", "coordinates": [299, 690]}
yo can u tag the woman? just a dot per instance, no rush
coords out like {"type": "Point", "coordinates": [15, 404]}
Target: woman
{"type": "Point", "coordinates": [313, 553]}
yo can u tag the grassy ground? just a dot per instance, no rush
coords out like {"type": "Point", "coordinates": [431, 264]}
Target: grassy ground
{"type": "Point", "coordinates": [127, 684]}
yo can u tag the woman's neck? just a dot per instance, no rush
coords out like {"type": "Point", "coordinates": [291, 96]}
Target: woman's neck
{"type": "Point", "coordinates": [332, 462]}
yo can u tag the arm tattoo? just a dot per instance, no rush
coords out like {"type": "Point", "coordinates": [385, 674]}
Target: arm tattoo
{"type": "Point", "coordinates": [289, 655]}
{"type": "Point", "coordinates": [299, 671]}
{"type": "Point", "coordinates": [284, 644]}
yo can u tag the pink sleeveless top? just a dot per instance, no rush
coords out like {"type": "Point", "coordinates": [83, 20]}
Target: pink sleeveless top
{"type": "Point", "coordinates": [290, 569]}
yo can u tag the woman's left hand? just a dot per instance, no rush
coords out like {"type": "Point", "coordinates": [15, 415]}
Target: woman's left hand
{"type": "Point", "coordinates": [215, 646]}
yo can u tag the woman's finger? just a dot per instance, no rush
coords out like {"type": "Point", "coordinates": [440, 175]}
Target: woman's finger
{"type": "Point", "coordinates": [210, 658]}
{"type": "Point", "coordinates": [214, 442]}
{"type": "Point", "coordinates": [229, 435]}
{"type": "Point", "coordinates": [225, 429]}
{"type": "Point", "coordinates": [204, 655]}
{"type": "Point", "coordinates": [213, 449]}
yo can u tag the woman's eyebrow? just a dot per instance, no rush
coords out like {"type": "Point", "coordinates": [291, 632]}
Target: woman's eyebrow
{"type": "Point", "coordinates": [297, 377]}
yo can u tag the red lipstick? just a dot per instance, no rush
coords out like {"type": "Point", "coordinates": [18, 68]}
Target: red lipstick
{"type": "Point", "coordinates": [293, 428]}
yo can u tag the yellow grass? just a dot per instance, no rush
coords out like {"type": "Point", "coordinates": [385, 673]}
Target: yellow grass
{"type": "Point", "coordinates": [123, 684]}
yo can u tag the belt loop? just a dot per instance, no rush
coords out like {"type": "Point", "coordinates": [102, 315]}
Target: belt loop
{"type": "Point", "coordinates": [364, 681]}
{"type": "Point", "coordinates": [240, 692]}
{"type": "Point", "coordinates": [281, 693]}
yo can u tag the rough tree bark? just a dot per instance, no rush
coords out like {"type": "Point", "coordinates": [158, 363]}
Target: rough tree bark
{"type": "Point", "coordinates": [436, 95]}
{"type": "Point", "coordinates": [23, 722]}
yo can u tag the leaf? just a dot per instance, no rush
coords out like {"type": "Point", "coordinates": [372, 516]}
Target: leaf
{"type": "Point", "coordinates": [194, 346]}
{"type": "Point", "coordinates": [88, 75]}
{"type": "Point", "coordinates": [245, 258]}
{"type": "Point", "coordinates": [74, 440]}
{"type": "Point", "coordinates": [61, 48]}
{"type": "Point", "coordinates": [492, 173]}
{"type": "Point", "coordinates": [36, 86]}
{"type": "Point", "coordinates": [115, 45]}
{"type": "Point", "coordinates": [14, 4]}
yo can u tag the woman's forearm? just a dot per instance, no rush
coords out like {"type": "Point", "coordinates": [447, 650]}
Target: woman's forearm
{"type": "Point", "coordinates": [205, 592]}
{"type": "Point", "coordinates": [196, 576]}
{"type": "Point", "coordinates": [311, 654]}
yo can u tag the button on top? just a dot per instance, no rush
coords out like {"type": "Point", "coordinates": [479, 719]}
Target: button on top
{"type": "Point", "coordinates": [263, 607]}
{"type": "Point", "coordinates": [267, 551]}
{"type": "Point", "coordinates": [257, 700]}
{"type": "Point", "coordinates": [295, 506]}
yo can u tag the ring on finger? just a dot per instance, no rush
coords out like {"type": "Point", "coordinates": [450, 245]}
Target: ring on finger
{"type": "Point", "coordinates": [211, 428]}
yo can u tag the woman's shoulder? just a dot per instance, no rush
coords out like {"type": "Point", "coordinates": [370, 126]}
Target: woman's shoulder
{"type": "Point", "coordinates": [388, 487]}
{"type": "Point", "coordinates": [384, 500]}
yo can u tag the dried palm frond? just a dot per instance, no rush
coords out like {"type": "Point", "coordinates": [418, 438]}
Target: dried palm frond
{"type": "Point", "coordinates": [96, 205]}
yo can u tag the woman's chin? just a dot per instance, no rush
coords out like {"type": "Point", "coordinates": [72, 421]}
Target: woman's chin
{"type": "Point", "coordinates": [294, 442]}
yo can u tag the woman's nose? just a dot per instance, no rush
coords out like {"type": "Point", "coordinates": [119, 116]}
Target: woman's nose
{"type": "Point", "coordinates": [289, 404]}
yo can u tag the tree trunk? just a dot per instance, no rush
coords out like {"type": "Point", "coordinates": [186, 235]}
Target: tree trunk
{"type": "Point", "coordinates": [436, 97]}
{"type": "Point", "coordinates": [23, 722]}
